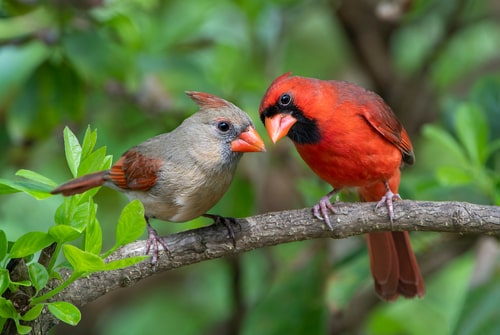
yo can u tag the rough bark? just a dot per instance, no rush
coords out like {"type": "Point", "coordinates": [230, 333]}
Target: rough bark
{"type": "Point", "coordinates": [274, 228]}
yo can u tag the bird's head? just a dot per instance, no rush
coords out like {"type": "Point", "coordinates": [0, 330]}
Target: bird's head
{"type": "Point", "coordinates": [287, 109]}
{"type": "Point", "coordinates": [224, 125]}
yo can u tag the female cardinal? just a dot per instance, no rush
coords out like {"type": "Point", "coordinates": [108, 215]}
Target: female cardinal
{"type": "Point", "coordinates": [350, 138]}
{"type": "Point", "coordinates": [180, 175]}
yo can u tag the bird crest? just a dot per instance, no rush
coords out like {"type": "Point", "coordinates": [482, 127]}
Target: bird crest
{"type": "Point", "coordinates": [207, 101]}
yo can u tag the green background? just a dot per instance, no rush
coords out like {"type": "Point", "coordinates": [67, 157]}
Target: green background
{"type": "Point", "coordinates": [122, 67]}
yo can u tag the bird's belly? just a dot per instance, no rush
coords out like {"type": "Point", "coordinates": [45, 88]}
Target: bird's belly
{"type": "Point", "coordinates": [185, 204]}
{"type": "Point", "coordinates": [158, 207]}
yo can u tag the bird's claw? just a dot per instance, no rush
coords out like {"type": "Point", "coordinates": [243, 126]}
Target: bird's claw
{"type": "Point", "coordinates": [227, 222]}
{"type": "Point", "coordinates": [153, 244]}
{"type": "Point", "coordinates": [388, 199]}
{"type": "Point", "coordinates": [320, 210]}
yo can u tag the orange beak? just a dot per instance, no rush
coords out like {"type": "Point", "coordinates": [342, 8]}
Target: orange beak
{"type": "Point", "coordinates": [248, 141]}
{"type": "Point", "coordinates": [279, 125]}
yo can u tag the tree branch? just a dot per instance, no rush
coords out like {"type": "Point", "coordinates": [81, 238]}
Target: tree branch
{"type": "Point", "coordinates": [269, 229]}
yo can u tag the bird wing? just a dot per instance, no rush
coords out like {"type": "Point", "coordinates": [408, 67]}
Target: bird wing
{"type": "Point", "coordinates": [135, 171]}
{"type": "Point", "coordinates": [385, 122]}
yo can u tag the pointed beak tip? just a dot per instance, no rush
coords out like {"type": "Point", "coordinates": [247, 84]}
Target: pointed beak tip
{"type": "Point", "coordinates": [274, 137]}
{"type": "Point", "coordinates": [248, 141]}
{"type": "Point", "coordinates": [278, 126]}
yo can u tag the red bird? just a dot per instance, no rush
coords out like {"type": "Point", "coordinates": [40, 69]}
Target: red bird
{"type": "Point", "coordinates": [350, 138]}
{"type": "Point", "coordinates": [180, 175]}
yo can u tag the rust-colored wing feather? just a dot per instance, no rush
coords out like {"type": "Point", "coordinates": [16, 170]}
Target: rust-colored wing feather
{"type": "Point", "coordinates": [384, 121]}
{"type": "Point", "coordinates": [135, 171]}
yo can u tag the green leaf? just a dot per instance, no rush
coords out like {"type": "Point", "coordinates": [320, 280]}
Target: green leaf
{"type": "Point", "coordinates": [472, 130]}
{"type": "Point", "coordinates": [83, 261]}
{"type": "Point", "coordinates": [36, 177]}
{"type": "Point", "coordinates": [7, 187]}
{"type": "Point", "coordinates": [38, 275]}
{"type": "Point", "coordinates": [63, 212]}
{"type": "Point", "coordinates": [4, 280]}
{"type": "Point", "coordinates": [36, 190]}
{"type": "Point", "coordinates": [4, 244]}
{"type": "Point", "coordinates": [443, 138]}
{"type": "Point", "coordinates": [93, 235]}
{"type": "Point", "coordinates": [107, 163]}
{"type": "Point", "coordinates": [22, 329]}
{"type": "Point", "coordinates": [7, 310]}
{"type": "Point", "coordinates": [63, 233]}
{"type": "Point", "coordinates": [30, 243]}
{"type": "Point", "coordinates": [89, 141]}
{"type": "Point", "coordinates": [33, 313]}
{"type": "Point", "coordinates": [80, 215]}
{"type": "Point", "coordinates": [131, 224]}
{"type": "Point", "coordinates": [73, 151]}
{"type": "Point", "coordinates": [92, 162]}
{"type": "Point", "coordinates": [75, 212]}
{"type": "Point", "coordinates": [65, 312]}
{"type": "Point", "coordinates": [123, 263]}
{"type": "Point", "coordinates": [25, 283]}
{"type": "Point", "coordinates": [453, 175]}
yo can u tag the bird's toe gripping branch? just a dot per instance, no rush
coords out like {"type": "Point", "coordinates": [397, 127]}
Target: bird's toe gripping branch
{"type": "Point", "coordinates": [153, 245]}
{"type": "Point", "coordinates": [388, 199]}
{"type": "Point", "coordinates": [320, 210]}
{"type": "Point", "coordinates": [227, 222]}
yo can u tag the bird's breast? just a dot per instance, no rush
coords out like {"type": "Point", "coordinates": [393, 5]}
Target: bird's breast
{"type": "Point", "coordinates": [179, 197]}
{"type": "Point", "coordinates": [352, 157]}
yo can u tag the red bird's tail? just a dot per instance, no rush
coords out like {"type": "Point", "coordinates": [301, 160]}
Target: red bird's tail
{"type": "Point", "coordinates": [393, 264]}
{"type": "Point", "coordinates": [82, 184]}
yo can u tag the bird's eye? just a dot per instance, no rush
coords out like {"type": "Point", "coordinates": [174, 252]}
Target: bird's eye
{"type": "Point", "coordinates": [285, 100]}
{"type": "Point", "coordinates": [223, 126]}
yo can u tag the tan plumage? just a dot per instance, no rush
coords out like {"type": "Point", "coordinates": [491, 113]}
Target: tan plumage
{"type": "Point", "coordinates": [180, 175]}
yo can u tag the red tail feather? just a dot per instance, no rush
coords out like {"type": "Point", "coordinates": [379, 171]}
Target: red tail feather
{"type": "Point", "coordinates": [394, 267]}
{"type": "Point", "coordinates": [393, 264]}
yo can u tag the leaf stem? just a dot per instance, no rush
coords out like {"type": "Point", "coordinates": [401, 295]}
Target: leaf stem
{"type": "Point", "coordinates": [74, 276]}
{"type": "Point", "coordinates": [54, 257]}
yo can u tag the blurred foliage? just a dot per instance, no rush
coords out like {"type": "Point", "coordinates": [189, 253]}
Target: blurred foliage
{"type": "Point", "coordinates": [122, 67]}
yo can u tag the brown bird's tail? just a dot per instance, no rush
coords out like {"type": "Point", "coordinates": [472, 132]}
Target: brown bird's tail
{"type": "Point", "coordinates": [393, 264]}
{"type": "Point", "coordinates": [82, 184]}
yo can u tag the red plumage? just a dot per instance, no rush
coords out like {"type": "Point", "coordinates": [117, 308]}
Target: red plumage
{"type": "Point", "coordinates": [350, 138]}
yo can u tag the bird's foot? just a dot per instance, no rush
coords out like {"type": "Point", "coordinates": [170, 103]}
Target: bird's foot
{"type": "Point", "coordinates": [227, 222]}
{"type": "Point", "coordinates": [153, 244]}
{"type": "Point", "coordinates": [388, 199]}
{"type": "Point", "coordinates": [320, 210]}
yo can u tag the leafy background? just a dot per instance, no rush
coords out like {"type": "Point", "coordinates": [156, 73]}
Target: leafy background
{"type": "Point", "coordinates": [122, 67]}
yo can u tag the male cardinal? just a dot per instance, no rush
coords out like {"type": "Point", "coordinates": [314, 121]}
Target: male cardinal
{"type": "Point", "coordinates": [180, 175]}
{"type": "Point", "coordinates": [350, 138]}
